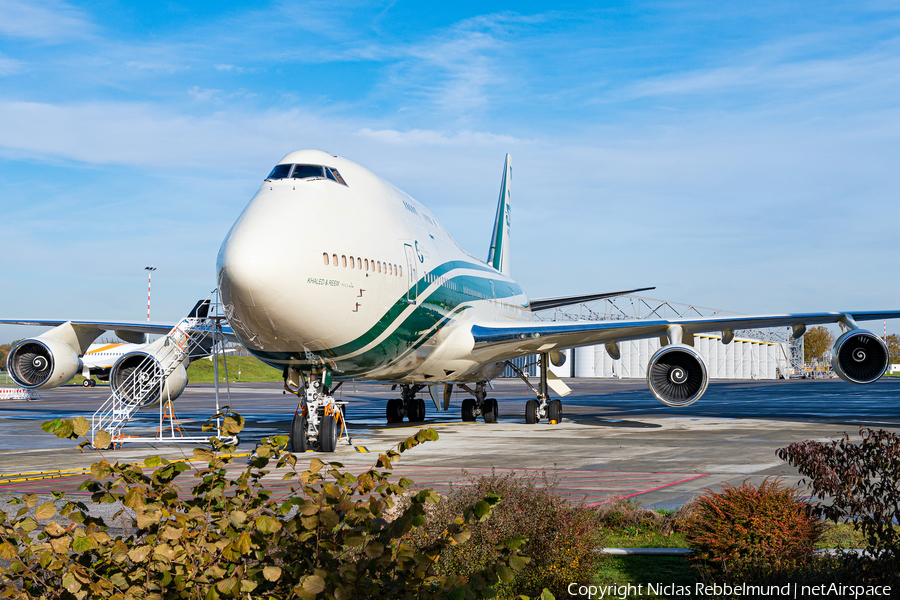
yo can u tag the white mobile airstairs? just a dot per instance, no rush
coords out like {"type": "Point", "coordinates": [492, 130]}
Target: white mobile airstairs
{"type": "Point", "coordinates": [157, 375]}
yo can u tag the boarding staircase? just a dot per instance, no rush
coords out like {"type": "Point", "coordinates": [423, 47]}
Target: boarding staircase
{"type": "Point", "coordinates": [145, 385]}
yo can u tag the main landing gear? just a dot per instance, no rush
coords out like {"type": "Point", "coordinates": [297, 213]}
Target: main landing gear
{"type": "Point", "coordinates": [472, 408]}
{"type": "Point", "coordinates": [542, 407]}
{"type": "Point", "coordinates": [408, 405]}
{"type": "Point", "coordinates": [319, 418]}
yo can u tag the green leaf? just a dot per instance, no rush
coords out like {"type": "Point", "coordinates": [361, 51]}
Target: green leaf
{"type": "Point", "coordinates": [102, 440]}
{"type": "Point", "coordinates": [27, 524]}
{"type": "Point", "coordinates": [70, 583]}
{"type": "Point", "coordinates": [30, 500]}
{"type": "Point", "coordinates": [267, 525]}
{"type": "Point", "coordinates": [152, 461]}
{"type": "Point", "coordinates": [374, 549]}
{"type": "Point", "coordinates": [313, 584]}
{"type": "Point", "coordinates": [81, 426]}
{"type": "Point", "coordinates": [83, 544]}
{"type": "Point", "coordinates": [516, 562]}
{"type": "Point", "coordinates": [227, 586]}
{"type": "Point", "coordinates": [505, 574]}
{"type": "Point", "coordinates": [139, 554]}
{"type": "Point", "coordinates": [272, 573]}
{"type": "Point", "coordinates": [546, 595]}
{"type": "Point", "coordinates": [482, 510]}
{"type": "Point", "coordinates": [51, 426]}
{"type": "Point", "coordinates": [45, 510]}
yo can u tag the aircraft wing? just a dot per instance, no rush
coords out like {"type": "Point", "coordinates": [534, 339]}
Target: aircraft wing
{"type": "Point", "coordinates": [506, 340]}
{"type": "Point", "coordinates": [124, 326]}
{"type": "Point", "coordinates": [545, 303]}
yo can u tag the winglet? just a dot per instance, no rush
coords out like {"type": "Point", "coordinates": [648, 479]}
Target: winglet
{"type": "Point", "coordinates": [498, 256]}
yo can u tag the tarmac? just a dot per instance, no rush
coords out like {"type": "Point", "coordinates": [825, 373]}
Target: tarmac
{"type": "Point", "coordinates": [615, 439]}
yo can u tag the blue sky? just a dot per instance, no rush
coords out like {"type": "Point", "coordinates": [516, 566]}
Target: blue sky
{"type": "Point", "coordinates": [740, 156]}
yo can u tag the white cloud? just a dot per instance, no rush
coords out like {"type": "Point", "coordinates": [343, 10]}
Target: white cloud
{"type": "Point", "coordinates": [8, 66]}
{"type": "Point", "coordinates": [48, 21]}
{"type": "Point", "coordinates": [202, 95]}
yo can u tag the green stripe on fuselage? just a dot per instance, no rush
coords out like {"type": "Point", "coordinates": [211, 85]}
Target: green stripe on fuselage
{"type": "Point", "coordinates": [431, 314]}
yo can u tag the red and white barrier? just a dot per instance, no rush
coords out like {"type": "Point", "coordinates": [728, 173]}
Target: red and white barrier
{"type": "Point", "coordinates": [18, 393]}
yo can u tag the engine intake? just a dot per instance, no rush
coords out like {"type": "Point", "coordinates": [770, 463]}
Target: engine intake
{"type": "Point", "coordinates": [137, 378]}
{"type": "Point", "coordinates": [42, 363]}
{"type": "Point", "coordinates": [677, 375]}
{"type": "Point", "coordinates": [860, 357]}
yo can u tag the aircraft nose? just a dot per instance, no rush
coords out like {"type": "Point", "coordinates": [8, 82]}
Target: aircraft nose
{"type": "Point", "coordinates": [248, 269]}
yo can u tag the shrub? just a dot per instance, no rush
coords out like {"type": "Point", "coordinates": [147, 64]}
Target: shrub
{"type": "Point", "coordinates": [231, 537]}
{"type": "Point", "coordinates": [561, 537]}
{"type": "Point", "coordinates": [751, 532]}
{"type": "Point", "coordinates": [860, 483]}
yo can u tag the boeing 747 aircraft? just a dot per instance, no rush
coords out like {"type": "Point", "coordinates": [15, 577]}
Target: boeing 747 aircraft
{"type": "Point", "coordinates": [332, 274]}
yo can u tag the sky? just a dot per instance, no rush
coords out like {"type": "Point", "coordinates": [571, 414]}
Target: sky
{"type": "Point", "coordinates": [742, 156]}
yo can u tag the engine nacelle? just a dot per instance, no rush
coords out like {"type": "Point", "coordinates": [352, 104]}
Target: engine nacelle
{"type": "Point", "coordinates": [677, 375]}
{"type": "Point", "coordinates": [860, 356]}
{"type": "Point", "coordinates": [136, 378]}
{"type": "Point", "coordinates": [42, 363]}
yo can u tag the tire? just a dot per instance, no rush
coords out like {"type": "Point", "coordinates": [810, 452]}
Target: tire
{"type": "Point", "coordinates": [468, 409]}
{"type": "Point", "coordinates": [93, 383]}
{"type": "Point", "coordinates": [531, 411]}
{"type": "Point", "coordinates": [416, 410]}
{"type": "Point", "coordinates": [490, 410]}
{"type": "Point", "coordinates": [86, 383]}
{"type": "Point", "coordinates": [297, 441]}
{"type": "Point", "coordinates": [554, 412]}
{"type": "Point", "coordinates": [328, 434]}
{"type": "Point", "coordinates": [394, 414]}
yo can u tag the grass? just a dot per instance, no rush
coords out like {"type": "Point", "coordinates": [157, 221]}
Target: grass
{"type": "Point", "coordinates": [641, 570]}
{"type": "Point", "coordinates": [240, 368]}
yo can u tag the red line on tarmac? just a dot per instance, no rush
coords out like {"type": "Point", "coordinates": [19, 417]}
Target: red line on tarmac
{"type": "Point", "coordinates": [652, 489]}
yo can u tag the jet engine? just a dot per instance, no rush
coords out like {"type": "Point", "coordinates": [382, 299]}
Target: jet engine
{"type": "Point", "coordinates": [140, 377]}
{"type": "Point", "coordinates": [860, 356]}
{"type": "Point", "coordinates": [676, 375]}
{"type": "Point", "coordinates": [42, 363]}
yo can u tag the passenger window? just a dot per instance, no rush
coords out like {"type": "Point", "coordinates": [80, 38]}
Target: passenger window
{"type": "Point", "coordinates": [325, 257]}
{"type": "Point", "coordinates": [308, 172]}
{"type": "Point", "coordinates": [344, 260]}
{"type": "Point", "coordinates": [351, 263]}
{"type": "Point", "coordinates": [367, 264]}
{"type": "Point", "coordinates": [334, 256]}
{"type": "Point", "coordinates": [379, 266]}
{"type": "Point", "coordinates": [280, 172]}
{"type": "Point", "coordinates": [400, 273]}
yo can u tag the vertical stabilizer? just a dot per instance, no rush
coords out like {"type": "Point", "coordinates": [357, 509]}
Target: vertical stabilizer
{"type": "Point", "coordinates": [498, 256]}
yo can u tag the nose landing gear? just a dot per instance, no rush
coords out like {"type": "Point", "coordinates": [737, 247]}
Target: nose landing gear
{"type": "Point", "coordinates": [319, 420]}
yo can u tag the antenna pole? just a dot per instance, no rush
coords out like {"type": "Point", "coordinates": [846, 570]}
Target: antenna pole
{"type": "Point", "coordinates": [149, 276]}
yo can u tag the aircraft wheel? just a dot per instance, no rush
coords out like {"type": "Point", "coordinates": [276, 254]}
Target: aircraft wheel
{"type": "Point", "coordinates": [328, 434]}
{"type": "Point", "coordinates": [416, 410]}
{"type": "Point", "coordinates": [554, 412]}
{"type": "Point", "coordinates": [86, 383]}
{"type": "Point", "coordinates": [490, 410]}
{"type": "Point", "coordinates": [93, 383]}
{"type": "Point", "coordinates": [297, 441]}
{"type": "Point", "coordinates": [531, 411]}
{"type": "Point", "coordinates": [468, 409]}
{"type": "Point", "coordinates": [394, 414]}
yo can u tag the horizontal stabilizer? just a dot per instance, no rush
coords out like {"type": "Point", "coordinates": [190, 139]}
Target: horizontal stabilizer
{"type": "Point", "coordinates": [546, 303]}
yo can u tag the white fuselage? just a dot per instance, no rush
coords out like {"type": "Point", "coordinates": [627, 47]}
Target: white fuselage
{"type": "Point", "coordinates": [99, 358]}
{"type": "Point", "coordinates": [358, 277]}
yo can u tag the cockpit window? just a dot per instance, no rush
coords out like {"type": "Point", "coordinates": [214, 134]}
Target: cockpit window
{"type": "Point", "coordinates": [308, 171]}
{"type": "Point", "coordinates": [337, 176]}
{"type": "Point", "coordinates": [280, 172]}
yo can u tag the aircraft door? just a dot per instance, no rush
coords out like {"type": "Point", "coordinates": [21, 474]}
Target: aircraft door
{"type": "Point", "coordinates": [412, 278]}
